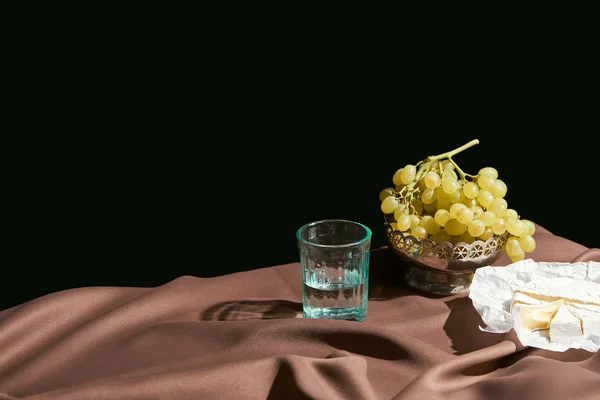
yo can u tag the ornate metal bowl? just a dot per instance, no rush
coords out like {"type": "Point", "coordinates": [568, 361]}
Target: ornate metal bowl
{"type": "Point", "coordinates": [442, 268]}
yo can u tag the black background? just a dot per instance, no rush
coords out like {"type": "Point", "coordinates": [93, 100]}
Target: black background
{"type": "Point", "coordinates": [146, 173]}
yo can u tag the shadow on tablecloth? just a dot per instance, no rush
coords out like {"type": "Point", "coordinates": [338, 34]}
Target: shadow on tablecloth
{"type": "Point", "coordinates": [386, 277]}
{"type": "Point", "coordinates": [252, 309]}
{"type": "Point", "coordinates": [462, 327]}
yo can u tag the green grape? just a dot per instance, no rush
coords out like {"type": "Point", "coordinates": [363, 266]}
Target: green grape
{"type": "Point", "coordinates": [418, 205]}
{"type": "Point", "coordinates": [441, 217]}
{"type": "Point", "coordinates": [408, 174]}
{"type": "Point", "coordinates": [489, 171]}
{"type": "Point", "coordinates": [450, 174]}
{"type": "Point", "coordinates": [485, 198]}
{"type": "Point", "coordinates": [512, 246]}
{"type": "Point", "coordinates": [424, 220]}
{"type": "Point", "coordinates": [514, 250]}
{"type": "Point", "coordinates": [455, 197]}
{"type": "Point", "coordinates": [441, 236]}
{"type": "Point", "coordinates": [499, 189]}
{"type": "Point", "coordinates": [498, 207]}
{"type": "Point", "coordinates": [454, 227]}
{"type": "Point", "coordinates": [503, 202]}
{"type": "Point", "coordinates": [477, 211]}
{"type": "Point", "coordinates": [397, 177]}
{"type": "Point", "coordinates": [444, 203]}
{"type": "Point", "coordinates": [470, 190]}
{"type": "Point", "coordinates": [455, 208]}
{"type": "Point", "coordinates": [454, 239]}
{"type": "Point", "coordinates": [428, 196]}
{"type": "Point", "coordinates": [527, 243]}
{"type": "Point", "coordinates": [432, 180]}
{"type": "Point", "coordinates": [530, 227]}
{"type": "Point", "coordinates": [515, 227]}
{"type": "Point", "coordinates": [510, 213]}
{"type": "Point", "coordinates": [387, 192]}
{"type": "Point", "coordinates": [464, 215]}
{"type": "Point", "coordinates": [470, 203]}
{"type": "Point", "coordinates": [450, 186]}
{"type": "Point", "coordinates": [486, 234]}
{"type": "Point", "coordinates": [429, 224]}
{"type": "Point", "coordinates": [432, 227]}
{"type": "Point", "coordinates": [389, 204]}
{"type": "Point", "coordinates": [414, 221]}
{"type": "Point", "coordinates": [443, 199]}
{"type": "Point", "coordinates": [518, 256]}
{"type": "Point", "coordinates": [401, 209]}
{"type": "Point", "coordinates": [467, 238]}
{"type": "Point", "coordinates": [419, 232]}
{"type": "Point", "coordinates": [499, 226]}
{"type": "Point", "coordinates": [487, 218]}
{"type": "Point", "coordinates": [476, 228]}
{"type": "Point", "coordinates": [486, 182]}
{"type": "Point", "coordinates": [403, 222]}
{"type": "Point", "coordinates": [458, 186]}
{"type": "Point", "coordinates": [394, 226]}
{"type": "Point", "coordinates": [430, 208]}
{"type": "Point", "coordinates": [447, 165]}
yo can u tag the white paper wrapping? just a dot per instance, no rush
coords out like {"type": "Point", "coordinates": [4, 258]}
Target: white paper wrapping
{"type": "Point", "coordinates": [492, 290]}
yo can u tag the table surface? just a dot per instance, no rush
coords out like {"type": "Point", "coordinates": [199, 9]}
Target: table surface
{"type": "Point", "coordinates": [242, 336]}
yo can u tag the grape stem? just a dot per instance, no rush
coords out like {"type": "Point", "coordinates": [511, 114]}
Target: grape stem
{"type": "Point", "coordinates": [449, 154]}
{"type": "Point", "coordinates": [460, 171]}
{"type": "Point", "coordinates": [425, 164]}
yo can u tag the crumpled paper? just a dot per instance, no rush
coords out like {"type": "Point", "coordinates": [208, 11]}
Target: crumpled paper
{"type": "Point", "coordinates": [492, 289]}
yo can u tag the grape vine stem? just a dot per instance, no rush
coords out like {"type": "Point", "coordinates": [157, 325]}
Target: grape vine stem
{"type": "Point", "coordinates": [426, 164]}
{"type": "Point", "coordinates": [460, 171]}
{"type": "Point", "coordinates": [451, 153]}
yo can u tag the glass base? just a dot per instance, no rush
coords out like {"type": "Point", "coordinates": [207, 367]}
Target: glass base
{"type": "Point", "coordinates": [348, 314]}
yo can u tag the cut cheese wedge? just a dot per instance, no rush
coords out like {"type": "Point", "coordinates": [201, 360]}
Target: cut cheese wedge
{"type": "Point", "coordinates": [565, 325]}
{"type": "Point", "coordinates": [589, 319]}
{"type": "Point", "coordinates": [538, 316]}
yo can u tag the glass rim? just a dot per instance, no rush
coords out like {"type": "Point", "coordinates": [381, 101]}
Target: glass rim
{"type": "Point", "coordinates": [334, 246]}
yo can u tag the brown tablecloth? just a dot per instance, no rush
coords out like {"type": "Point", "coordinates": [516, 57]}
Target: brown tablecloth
{"type": "Point", "coordinates": [242, 336]}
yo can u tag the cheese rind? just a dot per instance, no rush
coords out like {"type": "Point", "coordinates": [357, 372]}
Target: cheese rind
{"type": "Point", "coordinates": [522, 298]}
{"type": "Point", "coordinates": [571, 297]}
{"type": "Point", "coordinates": [565, 325]}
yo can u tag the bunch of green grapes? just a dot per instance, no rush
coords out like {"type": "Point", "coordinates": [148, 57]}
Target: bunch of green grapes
{"type": "Point", "coordinates": [435, 199]}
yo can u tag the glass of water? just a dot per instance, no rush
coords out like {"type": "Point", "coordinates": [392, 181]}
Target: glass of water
{"type": "Point", "coordinates": [334, 258]}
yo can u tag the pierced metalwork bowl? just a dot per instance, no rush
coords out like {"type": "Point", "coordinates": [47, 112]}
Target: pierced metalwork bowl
{"type": "Point", "coordinates": [442, 268]}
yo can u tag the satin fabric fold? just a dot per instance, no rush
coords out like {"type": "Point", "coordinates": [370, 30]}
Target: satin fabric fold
{"type": "Point", "coordinates": [242, 336]}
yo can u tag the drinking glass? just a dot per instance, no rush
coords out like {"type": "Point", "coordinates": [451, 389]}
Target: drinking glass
{"type": "Point", "coordinates": [334, 258]}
